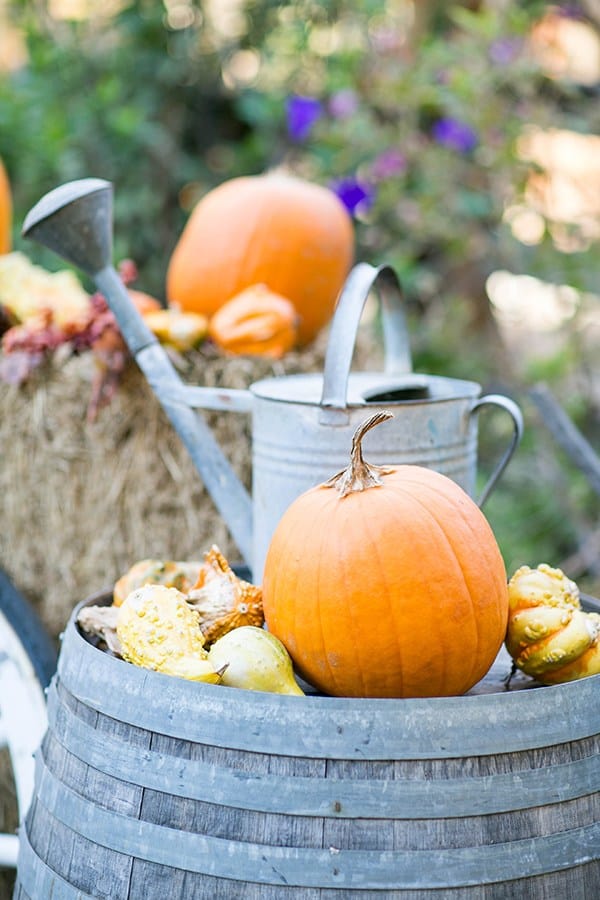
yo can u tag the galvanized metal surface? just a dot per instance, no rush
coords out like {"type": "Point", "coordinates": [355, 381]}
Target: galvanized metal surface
{"type": "Point", "coordinates": [302, 428]}
{"type": "Point", "coordinates": [295, 448]}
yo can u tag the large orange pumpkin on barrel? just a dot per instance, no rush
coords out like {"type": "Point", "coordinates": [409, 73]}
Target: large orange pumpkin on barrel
{"type": "Point", "coordinates": [5, 211]}
{"type": "Point", "coordinates": [294, 236]}
{"type": "Point", "coordinates": [386, 583]}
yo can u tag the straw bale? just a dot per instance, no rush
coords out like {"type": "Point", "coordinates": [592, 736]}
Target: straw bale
{"type": "Point", "coordinates": [81, 502]}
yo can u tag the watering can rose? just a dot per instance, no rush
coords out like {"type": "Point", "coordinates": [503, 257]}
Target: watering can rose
{"type": "Point", "coordinates": [386, 582]}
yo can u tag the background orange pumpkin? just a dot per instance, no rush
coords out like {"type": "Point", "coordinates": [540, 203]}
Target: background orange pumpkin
{"type": "Point", "coordinates": [397, 589]}
{"type": "Point", "coordinates": [5, 211]}
{"type": "Point", "coordinates": [294, 236]}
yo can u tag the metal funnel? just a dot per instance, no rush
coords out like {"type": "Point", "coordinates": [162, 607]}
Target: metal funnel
{"type": "Point", "coordinates": [75, 220]}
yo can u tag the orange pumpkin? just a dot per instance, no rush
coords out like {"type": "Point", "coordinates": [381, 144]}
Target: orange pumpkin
{"type": "Point", "coordinates": [386, 583]}
{"type": "Point", "coordinates": [294, 236]}
{"type": "Point", "coordinates": [144, 303]}
{"type": "Point", "coordinates": [256, 322]}
{"type": "Point", "coordinates": [5, 211]}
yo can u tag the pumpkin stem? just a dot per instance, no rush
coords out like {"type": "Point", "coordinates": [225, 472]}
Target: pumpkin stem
{"type": "Point", "coordinates": [360, 475]}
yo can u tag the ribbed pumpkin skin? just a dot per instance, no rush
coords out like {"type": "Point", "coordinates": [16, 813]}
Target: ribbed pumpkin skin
{"type": "Point", "coordinates": [294, 236]}
{"type": "Point", "coordinates": [5, 211]}
{"type": "Point", "coordinates": [394, 591]}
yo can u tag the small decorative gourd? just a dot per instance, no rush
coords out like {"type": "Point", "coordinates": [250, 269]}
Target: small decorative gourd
{"type": "Point", "coordinates": [256, 322]}
{"type": "Point", "coordinates": [170, 573]}
{"type": "Point", "coordinates": [222, 600]}
{"type": "Point", "coordinates": [549, 636]}
{"type": "Point", "coordinates": [386, 582]}
{"type": "Point", "coordinates": [179, 330]}
{"type": "Point", "coordinates": [254, 659]}
{"type": "Point", "coordinates": [158, 630]}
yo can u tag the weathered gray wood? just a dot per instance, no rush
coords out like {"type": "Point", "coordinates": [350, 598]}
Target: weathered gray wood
{"type": "Point", "coordinates": [36, 880]}
{"type": "Point", "coordinates": [329, 866]}
{"type": "Point", "coordinates": [328, 727]}
{"type": "Point", "coordinates": [128, 810]}
{"type": "Point", "coordinates": [381, 795]}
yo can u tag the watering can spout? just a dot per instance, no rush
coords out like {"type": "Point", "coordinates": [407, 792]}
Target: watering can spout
{"type": "Point", "coordinates": [75, 221]}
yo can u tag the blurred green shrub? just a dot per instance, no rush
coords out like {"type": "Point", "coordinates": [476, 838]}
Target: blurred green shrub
{"type": "Point", "coordinates": [412, 111]}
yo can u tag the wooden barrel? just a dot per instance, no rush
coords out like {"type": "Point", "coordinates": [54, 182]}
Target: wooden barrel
{"type": "Point", "coordinates": [150, 787]}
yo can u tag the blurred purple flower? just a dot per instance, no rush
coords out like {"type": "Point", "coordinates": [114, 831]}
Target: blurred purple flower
{"type": "Point", "coordinates": [343, 104]}
{"type": "Point", "coordinates": [301, 114]}
{"type": "Point", "coordinates": [454, 134]}
{"type": "Point", "coordinates": [357, 196]}
{"type": "Point", "coordinates": [388, 163]}
{"type": "Point", "coordinates": [570, 10]}
{"type": "Point", "coordinates": [504, 50]}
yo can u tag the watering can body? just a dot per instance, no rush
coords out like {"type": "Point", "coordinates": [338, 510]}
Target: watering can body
{"type": "Point", "coordinates": [295, 447]}
{"type": "Point", "coordinates": [302, 425]}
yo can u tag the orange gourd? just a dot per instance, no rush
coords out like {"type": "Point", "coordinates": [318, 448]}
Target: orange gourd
{"type": "Point", "coordinates": [143, 302]}
{"type": "Point", "coordinates": [386, 582]}
{"type": "Point", "coordinates": [256, 322]}
{"type": "Point", "coordinates": [5, 211]}
{"type": "Point", "coordinates": [290, 234]}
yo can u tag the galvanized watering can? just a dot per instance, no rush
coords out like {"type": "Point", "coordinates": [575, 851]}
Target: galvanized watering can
{"type": "Point", "coordinates": [302, 425]}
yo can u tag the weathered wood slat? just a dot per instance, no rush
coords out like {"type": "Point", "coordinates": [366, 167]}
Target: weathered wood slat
{"type": "Point", "coordinates": [305, 867]}
{"type": "Point", "coordinates": [36, 879]}
{"type": "Point", "coordinates": [150, 787]}
{"type": "Point", "coordinates": [328, 727]}
{"type": "Point", "coordinates": [322, 796]}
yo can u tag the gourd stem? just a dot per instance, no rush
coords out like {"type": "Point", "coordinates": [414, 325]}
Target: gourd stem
{"type": "Point", "coordinates": [360, 475]}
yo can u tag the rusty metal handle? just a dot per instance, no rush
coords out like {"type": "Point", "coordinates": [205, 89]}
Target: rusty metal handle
{"type": "Point", "coordinates": [344, 327]}
{"type": "Point", "coordinates": [517, 419]}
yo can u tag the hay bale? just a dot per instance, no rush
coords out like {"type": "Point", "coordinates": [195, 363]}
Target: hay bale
{"type": "Point", "coordinates": [81, 501]}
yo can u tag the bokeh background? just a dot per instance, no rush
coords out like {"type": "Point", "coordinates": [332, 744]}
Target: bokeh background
{"type": "Point", "coordinates": [463, 137]}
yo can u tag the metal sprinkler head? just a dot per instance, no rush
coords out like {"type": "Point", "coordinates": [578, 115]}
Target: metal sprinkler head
{"type": "Point", "coordinates": [75, 220]}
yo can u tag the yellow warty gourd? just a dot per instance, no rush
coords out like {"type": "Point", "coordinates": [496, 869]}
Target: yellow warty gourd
{"type": "Point", "coordinates": [158, 630]}
{"type": "Point", "coordinates": [549, 636]}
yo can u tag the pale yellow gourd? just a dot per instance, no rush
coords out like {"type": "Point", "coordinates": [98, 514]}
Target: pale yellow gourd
{"type": "Point", "coordinates": [256, 660]}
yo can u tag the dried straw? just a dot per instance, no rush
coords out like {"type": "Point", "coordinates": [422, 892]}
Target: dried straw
{"type": "Point", "coordinates": [81, 502]}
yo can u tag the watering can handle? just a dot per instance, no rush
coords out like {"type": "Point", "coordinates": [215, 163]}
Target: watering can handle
{"type": "Point", "coordinates": [517, 419]}
{"type": "Point", "coordinates": [344, 327]}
